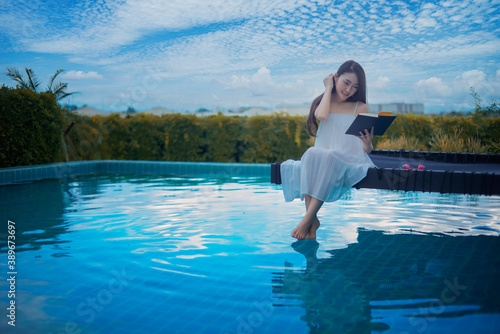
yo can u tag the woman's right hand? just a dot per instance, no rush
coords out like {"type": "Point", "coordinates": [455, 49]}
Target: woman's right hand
{"type": "Point", "coordinates": [328, 82]}
{"type": "Point", "coordinates": [323, 109]}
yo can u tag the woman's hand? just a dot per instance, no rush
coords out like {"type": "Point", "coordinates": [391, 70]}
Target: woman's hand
{"type": "Point", "coordinates": [366, 138]}
{"type": "Point", "coordinates": [328, 82]}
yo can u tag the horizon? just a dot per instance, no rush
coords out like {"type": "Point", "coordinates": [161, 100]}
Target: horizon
{"type": "Point", "coordinates": [231, 54]}
{"type": "Point", "coordinates": [242, 110]}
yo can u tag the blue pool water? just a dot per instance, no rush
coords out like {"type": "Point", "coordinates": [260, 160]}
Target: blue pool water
{"type": "Point", "coordinates": [157, 254]}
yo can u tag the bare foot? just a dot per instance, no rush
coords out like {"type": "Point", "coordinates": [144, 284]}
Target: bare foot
{"type": "Point", "coordinates": [312, 230]}
{"type": "Point", "coordinates": [302, 230]}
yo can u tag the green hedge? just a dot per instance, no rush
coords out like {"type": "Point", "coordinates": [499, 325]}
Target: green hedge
{"type": "Point", "coordinates": [222, 138]}
{"type": "Point", "coordinates": [490, 131]}
{"type": "Point", "coordinates": [31, 127]}
{"type": "Point", "coordinates": [257, 139]}
{"type": "Point", "coordinates": [177, 137]}
{"type": "Point", "coordinates": [422, 128]}
{"type": "Point", "coordinates": [274, 138]}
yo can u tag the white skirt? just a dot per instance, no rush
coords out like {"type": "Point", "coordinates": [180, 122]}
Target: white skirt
{"type": "Point", "coordinates": [322, 173]}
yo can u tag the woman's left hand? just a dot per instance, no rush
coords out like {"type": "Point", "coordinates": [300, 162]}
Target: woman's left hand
{"type": "Point", "coordinates": [366, 138]}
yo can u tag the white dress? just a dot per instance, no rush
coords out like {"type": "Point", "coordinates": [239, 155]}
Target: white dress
{"type": "Point", "coordinates": [330, 168]}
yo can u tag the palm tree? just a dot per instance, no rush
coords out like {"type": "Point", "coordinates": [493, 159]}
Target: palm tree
{"type": "Point", "coordinates": [32, 82]}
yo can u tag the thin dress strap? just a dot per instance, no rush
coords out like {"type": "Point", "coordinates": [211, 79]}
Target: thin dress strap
{"type": "Point", "coordinates": [356, 108]}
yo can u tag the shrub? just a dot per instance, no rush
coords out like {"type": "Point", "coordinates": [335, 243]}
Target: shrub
{"type": "Point", "coordinates": [32, 125]}
{"type": "Point", "coordinates": [182, 137]}
{"type": "Point", "coordinates": [264, 139]}
{"type": "Point", "coordinates": [274, 138]}
{"type": "Point", "coordinates": [86, 139]}
{"type": "Point", "coordinates": [31, 128]}
{"type": "Point", "coordinates": [443, 142]}
{"type": "Point", "coordinates": [411, 125]}
{"type": "Point", "coordinates": [464, 126]}
{"type": "Point", "coordinates": [222, 138]}
{"type": "Point", "coordinates": [490, 134]}
{"type": "Point", "coordinates": [403, 142]}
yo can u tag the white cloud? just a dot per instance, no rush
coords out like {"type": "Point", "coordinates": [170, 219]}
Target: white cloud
{"type": "Point", "coordinates": [430, 6]}
{"type": "Point", "coordinates": [381, 82]}
{"type": "Point", "coordinates": [473, 77]}
{"type": "Point", "coordinates": [242, 41]}
{"type": "Point", "coordinates": [115, 24]}
{"type": "Point", "coordinates": [433, 87]}
{"type": "Point", "coordinates": [80, 75]}
{"type": "Point", "coordinates": [261, 83]}
{"type": "Point", "coordinates": [261, 78]}
{"type": "Point", "coordinates": [425, 22]}
{"type": "Point", "coordinates": [487, 88]}
{"type": "Point", "coordinates": [238, 82]}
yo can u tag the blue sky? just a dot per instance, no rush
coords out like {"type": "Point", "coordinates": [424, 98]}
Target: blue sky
{"type": "Point", "coordinates": [188, 54]}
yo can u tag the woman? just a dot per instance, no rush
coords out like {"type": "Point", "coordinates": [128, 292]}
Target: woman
{"type": "Point", "coordinates": [337, 161]}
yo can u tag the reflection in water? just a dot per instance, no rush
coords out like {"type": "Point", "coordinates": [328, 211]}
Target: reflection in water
{"type": "Point", "coordinates": [72, 234]}
{"type": "Point", "coordinates": [387, 281]}
{"type": "Point", "coordinates": [38, 210]}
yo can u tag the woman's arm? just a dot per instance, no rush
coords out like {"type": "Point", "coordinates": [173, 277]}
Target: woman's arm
{"type": "Point", "coordinates": [362, 108]}
{"type": "Point", "coordinates": [323, 108]}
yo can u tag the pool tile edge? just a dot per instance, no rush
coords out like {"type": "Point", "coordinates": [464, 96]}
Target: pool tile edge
{"type": "Point", "coordinates": [14, 175]}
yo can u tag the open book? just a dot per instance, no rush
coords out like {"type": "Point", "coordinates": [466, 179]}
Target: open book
{"type": "Point", "coordinates": [380, 122]}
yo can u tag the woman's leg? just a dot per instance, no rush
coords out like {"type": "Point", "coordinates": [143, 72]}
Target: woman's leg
{"type": "Point", "coordinates": [310, 223]}
{"type": "Point", "coordinates": [315, 224]}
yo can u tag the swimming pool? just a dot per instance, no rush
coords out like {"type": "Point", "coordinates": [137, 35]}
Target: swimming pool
{"type": "Point", "coordinates": [162, 254]}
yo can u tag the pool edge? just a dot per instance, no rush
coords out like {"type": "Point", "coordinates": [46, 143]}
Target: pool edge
{"type": "Point", "coordinates": [60, 170]}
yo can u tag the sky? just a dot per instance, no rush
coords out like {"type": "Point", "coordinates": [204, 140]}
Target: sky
{"type": "Point", "coordinates": [189, 54]}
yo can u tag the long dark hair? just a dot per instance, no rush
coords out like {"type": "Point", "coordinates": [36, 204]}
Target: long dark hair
{"type": "Point", "coordinates": [349, 66]}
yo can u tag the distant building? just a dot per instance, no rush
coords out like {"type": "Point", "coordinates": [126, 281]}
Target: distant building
{"type": "Point", "coordinates": [248, 111]}
{"type": "Point", "coordinates": [88, 111]}
{"type": "Point", "coordinates": [294, 109]}
{"type": "Point", "coordinates": [398, 108]}
{"type": "Point", "coordinates": [159, 111]}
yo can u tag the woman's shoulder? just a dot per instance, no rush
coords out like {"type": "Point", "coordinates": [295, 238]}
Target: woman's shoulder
{"type": "Point", "coordinates": [362, 108]}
